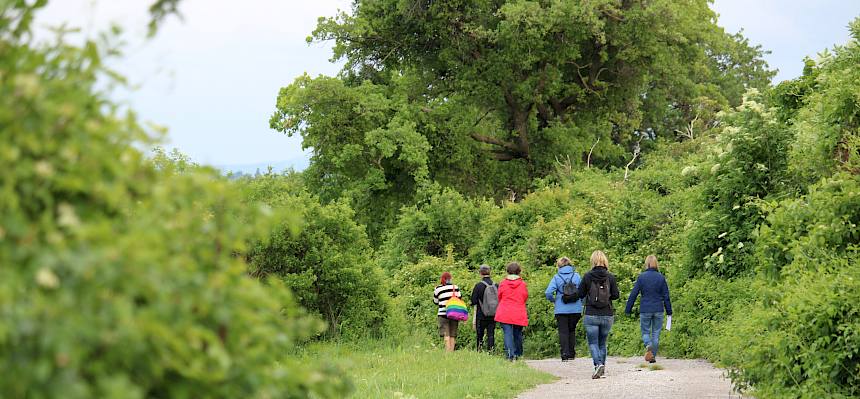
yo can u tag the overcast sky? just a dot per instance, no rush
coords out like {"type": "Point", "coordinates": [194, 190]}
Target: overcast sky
{"type": "Point", "coordinates": [212, 78]}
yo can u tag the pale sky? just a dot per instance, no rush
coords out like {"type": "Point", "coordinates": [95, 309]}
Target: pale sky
{"type": "Point", "coordinates": [212, 78]}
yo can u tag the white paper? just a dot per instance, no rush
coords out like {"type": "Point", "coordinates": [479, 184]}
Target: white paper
{"type": "Point", "coordinates": [668, 323]}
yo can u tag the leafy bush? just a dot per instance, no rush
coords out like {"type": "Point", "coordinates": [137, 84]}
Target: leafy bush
{"type": "Point", "coordinates": [750, 165]}
{"type": "Point", "coordinates": [328, 265]}
{"type": "Point", "coordinates": [827, 126]}
{"type": "Point", "coordinates": [806, 326]}
{"type": "Point", "coordinates": [429, 227]}
{"type": "Point", "coordinates": [505, 232]}
{"type": "Point", "coordinates": [120, 279]}
{"type": "Point", "coordinates": [807, 340]}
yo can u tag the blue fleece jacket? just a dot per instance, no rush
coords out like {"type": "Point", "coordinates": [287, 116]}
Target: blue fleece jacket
{"type": "Point", "coordinates": [554, 291]}
{"type": "Point", "coordinates": [655, 293]}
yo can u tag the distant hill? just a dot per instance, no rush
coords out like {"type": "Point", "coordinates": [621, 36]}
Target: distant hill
{"type": "Point", "coordinates": [297, 164]}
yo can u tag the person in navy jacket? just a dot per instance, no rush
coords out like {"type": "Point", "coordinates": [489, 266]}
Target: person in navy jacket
{"type": "Point", "coordinates": [566, 314]}
{"type": "Point", "coordinates": [655, 299]}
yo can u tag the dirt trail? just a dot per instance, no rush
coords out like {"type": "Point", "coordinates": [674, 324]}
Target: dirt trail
{"type": "Point", "coordinates": [679, 378]}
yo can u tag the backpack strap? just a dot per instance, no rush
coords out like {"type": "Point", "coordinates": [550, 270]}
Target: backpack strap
{"type": "Point", "coordinates": [562, 278]}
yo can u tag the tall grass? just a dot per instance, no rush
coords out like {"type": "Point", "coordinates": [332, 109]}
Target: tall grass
{"type": "Point", "coordinates": [380, 370]}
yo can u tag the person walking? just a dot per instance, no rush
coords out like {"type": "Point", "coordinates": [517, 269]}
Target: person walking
{"type": "Point", "coordinates": [485, 300]}
{"type": "Point", "coordinates": [562, 292]}
{"type": "Point", "coordinates": [599, 289]}
{"type": "Point", "coordinates": [511, 312]}
{"type": "Point", "coordinates": [655, 300]}
{"type": "Point", "coordinates": [441, 294]}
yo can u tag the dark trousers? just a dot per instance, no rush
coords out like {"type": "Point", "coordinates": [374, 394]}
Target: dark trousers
{"type": "Point", "coordinates": [567, 334]}
{"type": "Point", "coordinates": [488, 326]}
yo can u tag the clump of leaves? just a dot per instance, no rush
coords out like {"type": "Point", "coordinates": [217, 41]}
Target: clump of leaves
{"type": "Point", "coordinates": [120, 278]}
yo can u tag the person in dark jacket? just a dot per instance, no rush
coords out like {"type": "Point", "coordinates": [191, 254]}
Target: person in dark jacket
{"type": "Point", "coordinates": [482, 323]}
{"type": "Point", "coordinates": [655, 299]}
{"type": "Point", "coordinates": [512, 313]}
{"type": "Point", "coordinates": [599, 289]}
{"type": "Point", "coordinates": [567, 314]}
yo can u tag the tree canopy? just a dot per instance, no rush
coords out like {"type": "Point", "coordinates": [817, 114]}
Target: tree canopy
{"type": "Point", "coordinates": [484, 96]}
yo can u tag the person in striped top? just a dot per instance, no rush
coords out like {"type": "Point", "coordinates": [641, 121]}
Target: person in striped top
{"type": "Point", "coordinates": [441, 295]}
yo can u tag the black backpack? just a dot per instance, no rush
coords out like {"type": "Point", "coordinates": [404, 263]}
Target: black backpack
{"type": "Point", "coordinates": [598, 293]}
{"type": "Point", "coordinates": [568, 290]}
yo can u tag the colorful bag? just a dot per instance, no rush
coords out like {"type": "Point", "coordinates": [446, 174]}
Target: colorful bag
{"type": "Point", "coordinates": [455, 309]}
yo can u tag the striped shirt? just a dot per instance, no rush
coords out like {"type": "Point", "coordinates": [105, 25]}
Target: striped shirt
{"type": "Point", "coordinates": [442, 294]}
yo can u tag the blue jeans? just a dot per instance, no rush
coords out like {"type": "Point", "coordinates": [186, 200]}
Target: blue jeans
{"type": "Point", "coordinates": [596, 331]}
{"type": "Point", "coordinates": [650, 324]}
{"type": "Point", "coordinates": [513, 340]}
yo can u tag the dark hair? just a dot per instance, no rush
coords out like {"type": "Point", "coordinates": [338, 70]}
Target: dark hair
{"type": "Point", "coordinates": [514, 268]}
{"type": "Point", "coordinates": [484, 270]}
{"type": "Point", "coordinates": [445, 279]}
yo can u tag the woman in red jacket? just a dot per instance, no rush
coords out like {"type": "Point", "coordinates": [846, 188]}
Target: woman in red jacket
{"type": "Point", "coordinates": [511, 312]}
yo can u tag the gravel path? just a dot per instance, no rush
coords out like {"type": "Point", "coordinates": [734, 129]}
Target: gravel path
{"type": "Point", "coordinates": [679, 378]}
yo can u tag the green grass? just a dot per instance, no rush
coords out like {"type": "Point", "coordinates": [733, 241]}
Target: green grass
{"type": "Point", "coordinates": [417, 371]}
{"type": "Point", "coordinates": [652, 367]}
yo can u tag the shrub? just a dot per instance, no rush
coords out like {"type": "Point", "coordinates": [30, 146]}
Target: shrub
{"type": "Point", "coordinates": [428, 228]}
{"type": "Point", "coordinates": [117, 278]}
{"type": "Point", "coordinates": [827, 125]}
{"type": "Point", "coordinates": [751, 165]}
{"type": "Point", "coordinates": [806, 327]}
{"type": "Point", "coordinates": [504, 232]}
{"type": "Point", "coordinates": [328, 265]}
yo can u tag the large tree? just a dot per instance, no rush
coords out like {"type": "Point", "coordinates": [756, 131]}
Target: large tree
{"type": "Point", "coordinates": [467, 84]}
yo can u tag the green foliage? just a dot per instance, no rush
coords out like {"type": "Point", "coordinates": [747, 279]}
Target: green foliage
{"type": "Point", "coordinates": [807, 338]}
{"type": "Point", "coordinates": [552, 73]}
{"type": "Point", "coordinates": [441, 92]}
{"type": "Point", "coordinates": [790, 96]}
{"type": "Point", "coordinates": [120, 277]}
{"type": "Point", "coordinates": [445, 219]}
{"type": "Point", "coordinates": [328, 265]}
{"type": "Point", "coordinates": [826, 220]}
{"type": "Point", "coordinates": [750, 164]}
{"type": "Point", "coordinates": [364, 142]}
{"type": "Point", "coordinates": [828, 139]}
{"type": "Point", "coordinates": [806, 325]}
{"type": "Point", "coordinates": [504, 234]}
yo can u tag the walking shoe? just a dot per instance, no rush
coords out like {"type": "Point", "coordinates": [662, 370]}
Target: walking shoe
{"type": "Point", "coordinates": [654, 360]}
{"type": "Point", "coordinates": [599, 372]}
{"type": "Point", "coordinates": [594, 375]}
{"type": "Point", "coordinates": [649, 355]}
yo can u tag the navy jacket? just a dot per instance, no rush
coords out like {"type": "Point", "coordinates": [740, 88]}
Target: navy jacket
{"type": "Point", "coordinates": [655, 293]}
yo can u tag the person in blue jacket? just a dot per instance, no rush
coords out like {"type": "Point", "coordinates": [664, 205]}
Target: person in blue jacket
{"type": "Point", "coordinates": [568, 310]}
{"type": "Point", "coordinates": [655, 299]}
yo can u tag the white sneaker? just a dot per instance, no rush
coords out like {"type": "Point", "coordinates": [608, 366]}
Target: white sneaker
{"type": "Point", "coordinates": [600, 369]}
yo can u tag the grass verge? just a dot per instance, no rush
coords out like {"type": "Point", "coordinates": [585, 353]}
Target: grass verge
{"type": "Point", "coordinates": [398, 371]}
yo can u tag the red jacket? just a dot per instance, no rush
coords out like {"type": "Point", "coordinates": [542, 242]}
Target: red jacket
{"type": "Point", "coordinates": [512, 302]}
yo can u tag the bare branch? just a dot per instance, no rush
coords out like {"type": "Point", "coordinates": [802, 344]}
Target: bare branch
{"type": "Point", "coordinates": [588, 163]}
{"type": "Point", "coordinates": [636, 150]}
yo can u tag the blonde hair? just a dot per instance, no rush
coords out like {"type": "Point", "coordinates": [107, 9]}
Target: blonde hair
{"type": "Point", "coordinates": [651, 262]}
{"type": "Point", "coordinates": [598, 258]}
{"type": "Point", "coordinates": [563, 261]}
